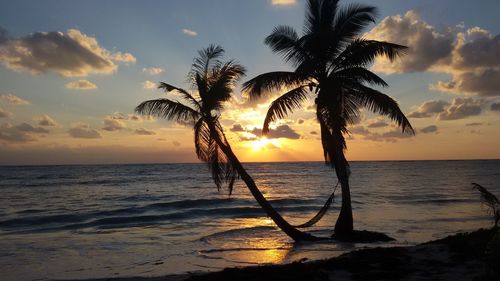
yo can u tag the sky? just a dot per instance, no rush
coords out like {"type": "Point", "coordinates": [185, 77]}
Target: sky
{"type": "Point", "coordinates": [72, 72]}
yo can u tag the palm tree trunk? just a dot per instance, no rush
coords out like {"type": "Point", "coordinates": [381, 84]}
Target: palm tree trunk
{"type": "Point", "coordinates": [344, 224]}
{"type": "Point", "coordinates": [291, 231]}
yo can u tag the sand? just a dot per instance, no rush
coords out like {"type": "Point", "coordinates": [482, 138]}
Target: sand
{"type": "Point", "coordinates": [458, 257]}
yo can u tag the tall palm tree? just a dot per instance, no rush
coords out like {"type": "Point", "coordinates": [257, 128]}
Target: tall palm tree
{"type": "Point", "coordinates": [330, 63]}
{"type": "Point", "coordinates": [212, 82]}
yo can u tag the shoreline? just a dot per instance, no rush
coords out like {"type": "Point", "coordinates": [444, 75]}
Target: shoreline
{"type": "Point", "coordinates": [457, 257]}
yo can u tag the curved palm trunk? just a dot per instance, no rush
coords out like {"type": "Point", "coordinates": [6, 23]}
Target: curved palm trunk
{"type": "Point", "coordinates": [344, 224]}
{"type": "Point", "coordinates": [333, 145]}
{"type": "Point", "coordinates": [291, 231]}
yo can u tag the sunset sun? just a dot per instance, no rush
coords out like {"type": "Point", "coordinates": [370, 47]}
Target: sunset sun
{"type": "Point", "coordinates": [261, 143]}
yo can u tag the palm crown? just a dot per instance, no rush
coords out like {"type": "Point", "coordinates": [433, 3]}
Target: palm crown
{"type": "Point", "coordinates": [212, 81]}
{"type": "Point", "coordinates": [330, 60]}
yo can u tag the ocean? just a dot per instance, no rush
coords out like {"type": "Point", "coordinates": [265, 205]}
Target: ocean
{"type": "Point", "coordinates": [96, 221]}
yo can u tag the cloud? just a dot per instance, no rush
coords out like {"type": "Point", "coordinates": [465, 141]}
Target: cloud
{"type": "Point", "coordinates": [119, 116]}
{"type": "Point", "coordinates": [359, 130]}
{"type": "Point", "coordinates": [68, 54]}
{"type": "Point", "coordinates": [144, 132]}
{"type": "Point", "coordinates": [11, 134]}
{"type": "Point", "coordinates": [81, 85]}
{"type": "Point", "coordinates": [283, 2]}
{"type": "Point", "coordinates": [429, 108]}
{"type": "Point", "coordinates": [377, 124]}
{"type": "Point", "coordinates": [429, 129]}
{"type": "Point", "coordinates": [495, 106]}
{"type": "Point", "coordinates": [111, 124]}
{"type": "Point", "coordinates": [4, 113]}
{"type": "Point", "coordinates": [461, 108]}
{"type": "Point", "coordinates": [282, 131]}
{"type": "Point", "coordinates": [237, 128]}
{"type": "Point", "coordinates": [189, 32]}
{"type": "Point", "coordinates": [46, 121]}
{"type": "Point", "coordinates": [123, 57]}
{"type": "Point", "coordinates": [479, 83]}
{"type": "Point", "coordinates": [426, 45]}
{"type": "Point", "coordinates": [153, 70]}
{"type": "Point", "coordinates": [14, 100]}
{"type": "Point", "coordinates": [84, 131]}
{"type": "Point", "coordinates": [388, 136]}
{"type": "Point", "coordinates": [471, 57]}
{"type": "Point", "coordinates": [149, 85]}
{"type": "Point", "coordinates": [25, 127]}
{"type": "Point", "coordinates": [138, 118]}
{"type": "Point", "coordinates": [183, 123]}
{"type": "Point", "coordinates": [475, 65]}
{"type": "Point", "coordinates": [23, 132]}
{"type": "Point", "coordinates": [475, 48]}
{"type": "Point", "coordinates": [396, 133]}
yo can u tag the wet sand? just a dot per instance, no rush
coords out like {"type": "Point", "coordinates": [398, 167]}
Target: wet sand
{"type": "Point", "coordinates": [457, 257]}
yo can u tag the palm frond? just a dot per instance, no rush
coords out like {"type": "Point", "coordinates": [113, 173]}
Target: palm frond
{"type": "Point", "coordinates": [284, 105]}
{"type": "Point", "coordinates": [206, 59]}
{"type": "Point", "coordinates": [362, 52]}
{"type": "Point", "coordinates": [358, 74]}
{"type": "Point", "coordinates": [273, 81]}
{"type": "Point", "coordinates": [168, 109]}
{"type": "Point", "coordinates": [320, 15]}
{"type": "Point", "coordinates": [211, 153]}
{"type": "Point", "coordinates": [333, 114]}
{"type": "Point", "coordinates": [222, 82]}
{"type": "Point", "coordinates": [378, 102]}
{"type": "Point", "coordinates": [187, 96]}
{"type": "Point", "coordinates": [284, 41]}
{"type": "Point", "coordinates": [490, 200]}
{"type": "Point", "coordinates": [202, 140]}
{"type": "Point", "coordinates": [351, 20]}
{"type": "Point", "coordinates": [349, 112]}
{"type": "Point", "coordinates": [202, 86]}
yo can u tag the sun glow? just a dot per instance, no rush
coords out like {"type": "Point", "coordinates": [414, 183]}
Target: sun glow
{"type": "Point", "coordinates": [263, 142]}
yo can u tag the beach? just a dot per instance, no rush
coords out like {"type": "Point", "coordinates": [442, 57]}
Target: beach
{"type": "Point", "coordinates": [464, 256]}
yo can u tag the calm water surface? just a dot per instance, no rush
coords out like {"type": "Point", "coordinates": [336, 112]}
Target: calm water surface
{"type": "Point", "coordinates": [64, 222]}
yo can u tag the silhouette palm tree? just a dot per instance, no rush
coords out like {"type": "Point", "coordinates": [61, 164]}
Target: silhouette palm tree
{"type": "Point", "coordinates": [214, 80]}
{"type": "Point", "coordinates": [330, 62]}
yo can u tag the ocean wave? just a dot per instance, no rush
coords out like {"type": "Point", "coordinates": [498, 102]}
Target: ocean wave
{"type": "Point", "coordinates": [134, 216]}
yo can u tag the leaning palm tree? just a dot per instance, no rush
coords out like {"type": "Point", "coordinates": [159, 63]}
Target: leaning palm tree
{"type": "Point", "coordinates": [212, 82]}
{"type": "Point", "coordinates": [330, 63]}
